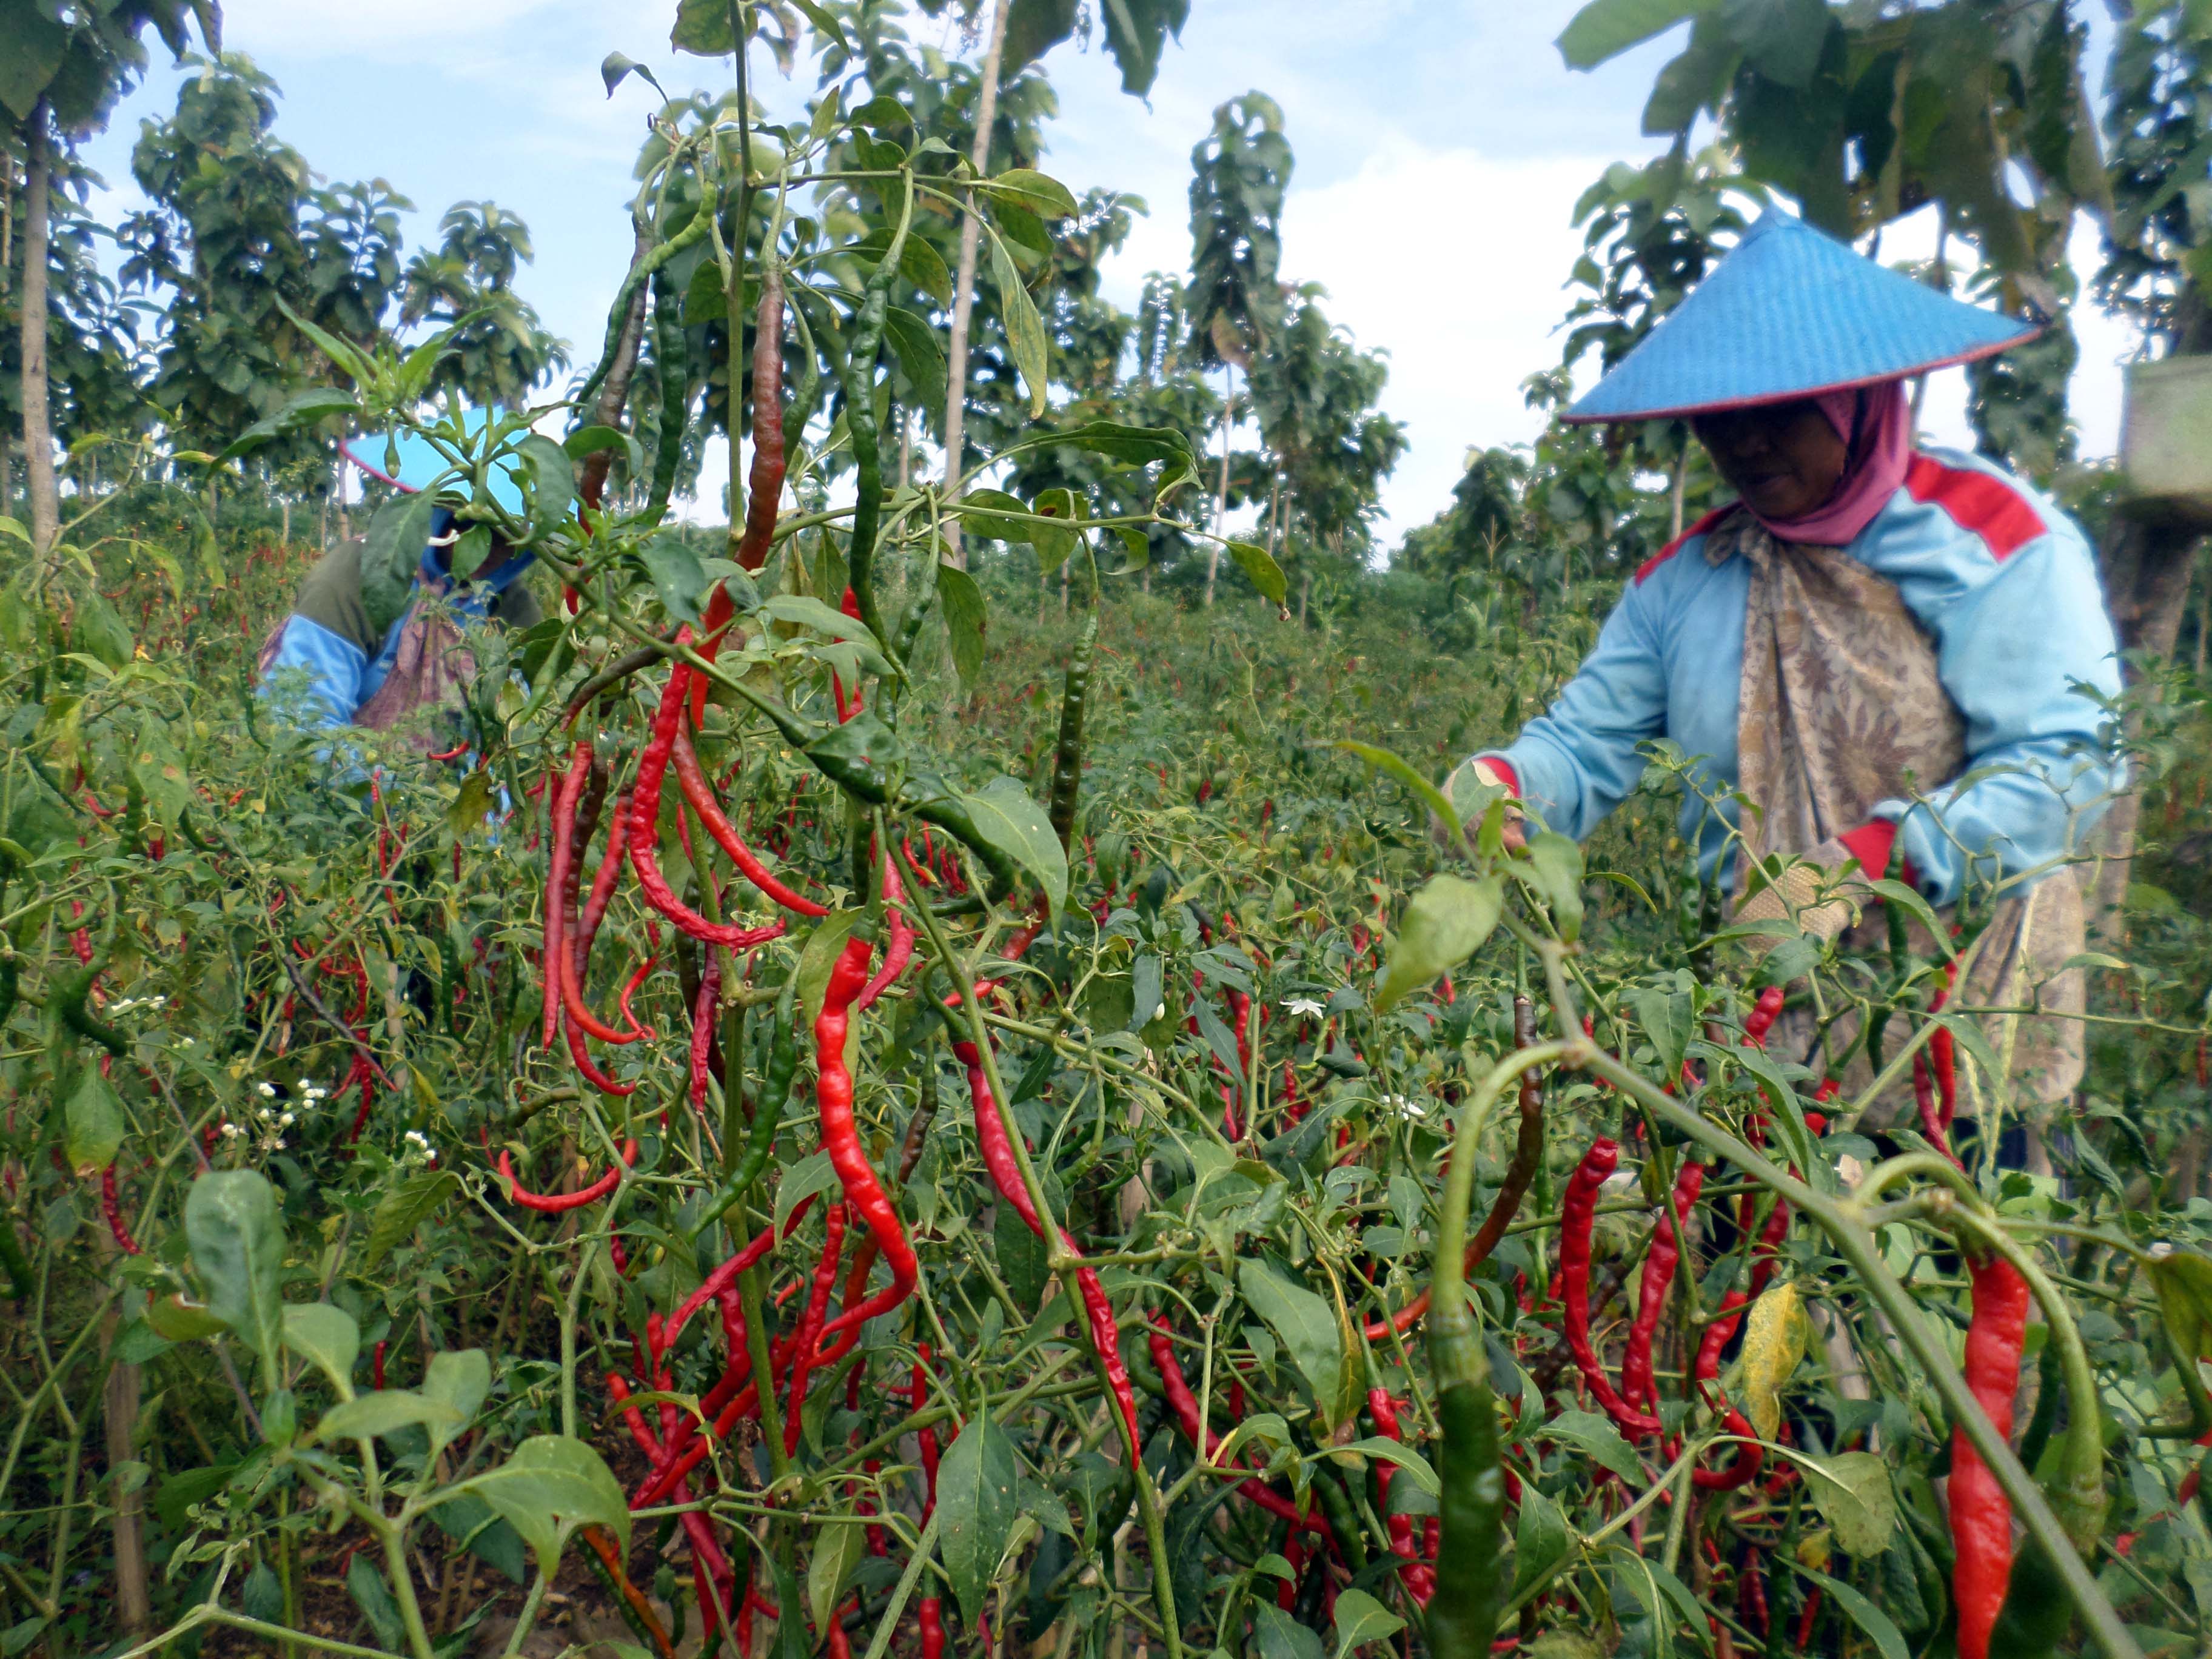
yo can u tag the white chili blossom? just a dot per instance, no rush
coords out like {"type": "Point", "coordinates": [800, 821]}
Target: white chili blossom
{"type": "Point", "coordinates": [1305, 1005]}
{"type": "Point", "coordinates": [1406, 1106]}
{"type": "Point", "coordinates": [309, 1092]}
{"type": "Point", "coordinates": [267, 1091]}
{"type": "Point", "coordinates": [231, 1131]}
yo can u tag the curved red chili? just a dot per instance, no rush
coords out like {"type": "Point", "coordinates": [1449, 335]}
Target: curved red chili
{"type": "Point", "coordinates": [111, 1205]}
{"type": "Point", "coordinates": [1577, 1215]}
{"type": "Point", "coordinates": [645, 824]}
{"type": "Point", "coordinates": [1184, 1404]}
{"type": "Point", "coordinates": [703, 1008]}
{"type": "Point", "coordinates": [840, 1138]}
{"type": "Point", "coordinates": [552, 1203]}
{"type": "Point", "coordinates": [562, 809]}
{"type": "Point", "coordinates": [700, 794]}
{"type": "Point", "coordinates": [1981, 1515]}
{"type": "Point", "coordinates": [1636, 1385]}
{"type": "Point", "coordinates": [810, 1322]}
{"type": "Point", "coordinates": [603, 887]}
{"type": "Point", "coordinates": [900, 952]}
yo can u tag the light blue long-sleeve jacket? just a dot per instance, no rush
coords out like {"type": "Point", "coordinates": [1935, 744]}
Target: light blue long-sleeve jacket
{"type": "Point", "coordinates": [2005, 585]}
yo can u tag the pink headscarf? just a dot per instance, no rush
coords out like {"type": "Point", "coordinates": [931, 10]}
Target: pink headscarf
{"type": "Point", "coordinates": [1876, 423]}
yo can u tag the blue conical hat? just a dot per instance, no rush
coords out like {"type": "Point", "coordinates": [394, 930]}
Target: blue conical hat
{"type": "Point", "coordinates": [1788, 313]}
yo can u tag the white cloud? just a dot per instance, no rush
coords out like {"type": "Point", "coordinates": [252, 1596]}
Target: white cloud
{"type": "Point", "coordinates": [1451, 261]}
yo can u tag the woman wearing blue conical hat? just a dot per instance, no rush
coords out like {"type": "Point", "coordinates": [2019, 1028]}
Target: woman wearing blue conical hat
{"type": "Point", "coordinates": [1887, 649]}
{"type": "Point", "coordinates": [356, 668]}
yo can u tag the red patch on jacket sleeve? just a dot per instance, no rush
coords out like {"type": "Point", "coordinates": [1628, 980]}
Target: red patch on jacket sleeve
{"type": "Point", "coordinates": [1988, 506]}
{"type": "Point", "coordinates": [1675, 546]}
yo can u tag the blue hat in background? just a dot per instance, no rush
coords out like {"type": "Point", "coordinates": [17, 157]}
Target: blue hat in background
{"type": "Point", "coordinates": [421, 464]}
{"type": "Point", "coordinates": [1788, 313]}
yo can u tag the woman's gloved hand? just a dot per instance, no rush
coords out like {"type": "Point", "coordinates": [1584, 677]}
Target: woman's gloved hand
{"type": "Point", "coordinates": [1459, 789]}
{"type": "Point", "coordinates": [1815, 890]}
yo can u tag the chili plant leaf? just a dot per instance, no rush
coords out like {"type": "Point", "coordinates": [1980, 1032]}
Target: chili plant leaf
{"type": "Point", "coordinates": [1006, 817]}
{"type": "Point", "coordinates": [313, 405]}
{"type": "Point", "coordinates": [385, 1411]}
{"type": "Point", "coordinates": [975, 1487]}
{"type": "Point", "coordinates": [1384, 761]}
{"type": "Point", "coordinates": [1852, 1490]}
{"type": "Point", "coordinates": [406, 1207]}
{"type": "Point", "coordinates": [327, 1335]}
{"type": "Point", "coordinates": [1554, 872]}
{"type": "Point", "coordinates": [1773, 1343]}
{"type": "Point", "coordinates": [964, 620]}
{"type": "Point", "coordinates": [1596, 1439]}
{"type": "Point", "coordinates": [2183, 1280]}
{"type": "Point", "coordinates": [93, 1123]}
{"type": "Point", "coordinates": [1445, 924]}
{"type": "Point", "coordinates": [837, 1550]}
{"type": "Point", "coordinates": [392, 553]}
{"type": "Point", "coordinates": [1024, 328]}
{"type": "Point", "coordinates": [1539, 1538]}
{"type": "Point", "coordinates": [1403, 1456]}
{"type": "Point", "coordinates": [921, 358]}
{"type": "Point", "coordinates": [1261, 569]}
{"type": "Point", "coordinates": [459, 1379]}
{"type": "Point", "coordinates": [551, 1486]}
{"type": "Point", "coordinates": [1282, 1637]}
{"type": "Point", "coordinates": [237, 1239]}
{"type": "Point", "coordinates": [374, 1597]}
{"type": "Point", "coordinates": [1304, 1322]}
{"type": "Point", "coordinates": [1360, 1619]}
{"type": "Point", "coordinates": [1872, 1619]}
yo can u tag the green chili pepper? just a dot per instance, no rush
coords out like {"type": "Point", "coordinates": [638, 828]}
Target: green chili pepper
{"type": "Point", "coordinates": [1067, 757]}
{"type": "Point", "coordinates": [861, 426]}
{"type": "Point", "coordinates": [768, 1112]}
{"type": "Point", "coordinates": [1462, 1616]}
{"type": "Point", "coordinates": [1343, 1523]}
{"type": "Point", "coordinates": [70, 995]}
{"type": "Point", "coordinates": [669, 363]}
{"type": "Point", "coordinates": [618, 313]}
{"type": "Point", "coordinates": [863, 757]}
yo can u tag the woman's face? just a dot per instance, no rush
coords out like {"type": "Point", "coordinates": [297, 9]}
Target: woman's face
{"type": "Point", "coordinates": [1785, 460]}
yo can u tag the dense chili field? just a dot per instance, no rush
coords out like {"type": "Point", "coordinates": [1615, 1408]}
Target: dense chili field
{"type": "Point", "coordinates": [884, 1089]}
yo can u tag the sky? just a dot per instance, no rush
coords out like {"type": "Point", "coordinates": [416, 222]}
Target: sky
{"type": "Point", "coordinates": [1441, 145]}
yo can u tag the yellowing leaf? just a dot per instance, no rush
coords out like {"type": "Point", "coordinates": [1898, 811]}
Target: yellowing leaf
{"type": "Point", "coordinates": [1773, 1343]}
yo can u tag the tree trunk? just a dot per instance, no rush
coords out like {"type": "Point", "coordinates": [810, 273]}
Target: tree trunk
{"type": "Point", "coordinates": [963, 292]}
{"type": "Point", "coordinates": [38, 429]}
{"type": "Point", "coordinates": [2146, 568]}
{"type": "Point", "coordinates": [1681, 488]}
{"type": "Point", "coordinates": [1221, 493]}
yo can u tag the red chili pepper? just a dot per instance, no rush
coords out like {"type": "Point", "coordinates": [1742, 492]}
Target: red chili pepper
{"type": "Point", "coordinates": [580, 1058]}
{"type": "Point", "coordinates": [453, 754]}
{"type": "Point", "coordinates": [112, 1207]}
{"type": "Point", "coordinates": [840, 1138]}
{"type": "Point", "coordinates": [703, 1009]}
{"type": "Point", "coordinates": [809, 1324]}
{"type": "Point", "coordinates": [1923, 1100]}
{"type": "Point", "coordinates": [933, 1628]}
{"type": "Point", "coordinates": [1981, 1515]}
{"type": "Point", "coordinates": [1420, 1579]}
{"type": "Point", "coordinates": [1636, 1384]}
{"type": "Point", "coordinates": [553, 1203]}
{"type": "Point", "coordinates": [645, 824]}
{"type": "Point", "coordinates": [629, 987]}
{"type": "Point", "coordinates": [1184, 1404]}
{"type": "Point", "coordinates": [900, 952]}
{"type": "Point", "coordinates": [1577, 1214]}
{"type": "Point", "coordinates": [1943, 1054]}
{"type": "Point", "coordinates": [376, 1367]}
{"type": "Point", "coordinates": [699, 795]}
{"type": "Point", "coordinates": [603, 887]}
{"type": "Point", "coordinates": [1805, 1616]}
{"type": "Point", "coordinates": [991, 1134]}
{"type": "Point", "coordinates": [1762, 1016]}
{"type": "Point", "coordinates": [563, 811]}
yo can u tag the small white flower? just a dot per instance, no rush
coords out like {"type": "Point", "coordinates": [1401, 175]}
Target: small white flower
{"type": "Point", "coordinates": [1160, 1011]}
{"type": "Point", "coordinates": [184, 1043]}
{"type": "Point", "coordinates": [1406, 1106]}
{"type": "Point", "coordinates": [419, 1138]}
{"type": "Point", "coordinates": [284, 1121]}
{"type": "Point", "coordinates": [1305, 1005]}
{"type": "Point", "coordinates": [160, 1002]}
{"type": "Point", "coordinates": [268, 1090]}
{"type": "Point", "coordinates": [231, 1131]}
{"type": "Point", "coordinates": [313, 1093]}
